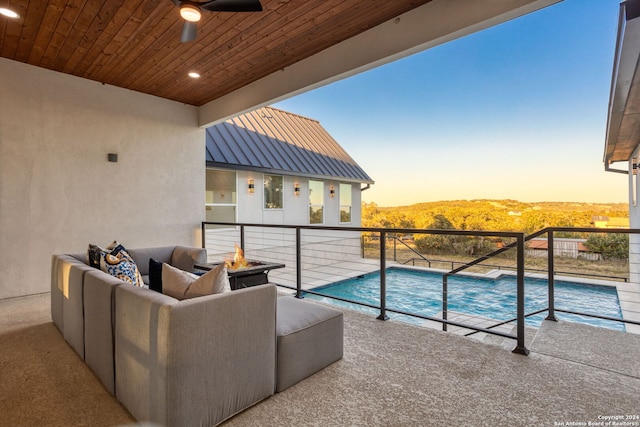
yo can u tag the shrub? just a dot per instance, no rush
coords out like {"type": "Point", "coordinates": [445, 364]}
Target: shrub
{"type": "Point", "coordinates": [609, 245]}
{"type": "Point", "coordinates": [451, 244]}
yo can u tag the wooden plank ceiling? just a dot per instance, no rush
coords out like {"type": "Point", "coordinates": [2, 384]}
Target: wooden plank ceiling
{"type": "Point", "coordinates": [135, 44]}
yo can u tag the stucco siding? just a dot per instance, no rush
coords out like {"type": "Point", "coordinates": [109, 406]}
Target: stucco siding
{"type": "Point", "coordinates": [634, 222]}
{"type": "Point", "coordinates": [58, 192]}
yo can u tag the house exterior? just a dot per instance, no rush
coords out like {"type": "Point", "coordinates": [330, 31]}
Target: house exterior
{"type": "Point", "coordinates": [562, 247]}
{"type": "Point", "coordinates": [270, 166]}
{"type": "Point", "coordinates": [610, 222]}
{"type": "Point", "coordinates": [622, 144]}
{"type": "Point", "coordinates": [87, 84]}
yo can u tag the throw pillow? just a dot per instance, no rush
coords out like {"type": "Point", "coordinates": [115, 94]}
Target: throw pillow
{"type": "Point", "coordinates": [215, 281]}
{"type": "Point", "coordinates": [96, 251]}
{"type": "Point", "coordinates": [116, 261]}
{"type": "Point", "coordinates": [155, 275]}
{"type": "Point", "coordinates": [181, 285]}
{"type": "Point", "coordinates": [175, 282]}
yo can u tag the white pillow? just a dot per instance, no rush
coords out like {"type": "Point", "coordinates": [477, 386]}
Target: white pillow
{"type": "Point", "coordinates": [181, 285]}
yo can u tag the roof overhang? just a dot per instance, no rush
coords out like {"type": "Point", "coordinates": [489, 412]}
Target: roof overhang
{"type": "Point", "coordinates": [623, 123]}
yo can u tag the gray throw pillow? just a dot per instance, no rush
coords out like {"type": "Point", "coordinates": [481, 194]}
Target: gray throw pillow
{"type": "Point", "coordinates": [181, 285]}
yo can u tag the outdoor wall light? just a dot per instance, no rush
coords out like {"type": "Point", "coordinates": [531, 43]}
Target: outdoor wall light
{"type": "Point", "coordinates": [296, 189]}
{"type": "Point", "coordinates": [190, 13]}
{"type": "Point", "coordinates": [332, 191]}
{"type": "Point", "coordinates": [252, 187]}
{"type": "Point", "coordinates": [112, 157]}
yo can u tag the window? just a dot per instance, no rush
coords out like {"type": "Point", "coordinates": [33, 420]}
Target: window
{"type": "Point", "coordinates": [220, 196]}
{"type": "Point", "coordinates": [345, 203]}
{"type": "Point", "coordinates": [316, 202]}
{"type": "Point", "coordinates": [272, 192]}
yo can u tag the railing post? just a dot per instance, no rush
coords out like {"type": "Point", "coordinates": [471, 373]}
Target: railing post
{"type": "Point", "coordinates": [383, 276]}
{"type": "Point", "coordinates": [445, 300]}
{"type": "Point", "coordinates": [242, 238]}
{"type": "Point", "coordinates": [298, 265]}
{"type": "Point", "coordinates": [520, 346]}
{"type": "Point", "coordinates": [551, 274]}
{"type": "Point", "coordinates": [203, 228]}
{"type": "Point", "coordinates": [395, 248]}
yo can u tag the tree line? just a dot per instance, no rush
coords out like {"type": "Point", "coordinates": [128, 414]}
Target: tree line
{"type": "Point", "coordinates": [497, 215]}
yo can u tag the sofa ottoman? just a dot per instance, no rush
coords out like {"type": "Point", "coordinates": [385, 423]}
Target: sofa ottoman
{"type": "Point", "coordinates": [309, 338]}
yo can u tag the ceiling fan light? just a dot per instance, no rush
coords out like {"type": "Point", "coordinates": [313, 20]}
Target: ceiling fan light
{"type": "Point", "coordinates": [190, 13]}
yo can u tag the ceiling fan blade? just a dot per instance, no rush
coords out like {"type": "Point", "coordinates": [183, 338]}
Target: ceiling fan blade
{"type": "Point", "coordinates": [189, 30]}
{"type": "Point", "coordinates": [232, 6]}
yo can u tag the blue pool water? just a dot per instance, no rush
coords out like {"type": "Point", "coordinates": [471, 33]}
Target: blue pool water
{"type": "Point", "coordinates": [421, 292]}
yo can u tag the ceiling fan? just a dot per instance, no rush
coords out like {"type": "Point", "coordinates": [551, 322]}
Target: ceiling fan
{"type": "Point", "coordinates": [191, 12]}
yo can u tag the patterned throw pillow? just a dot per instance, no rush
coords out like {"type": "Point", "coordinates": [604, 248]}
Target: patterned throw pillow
{"type": "Point", "coordinates": [116, 261]}
{"type": "Point", "coordinates": [95, 253]}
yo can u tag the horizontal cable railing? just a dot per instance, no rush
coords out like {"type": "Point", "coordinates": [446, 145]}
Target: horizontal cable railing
{"type": "Point", "coordinates": [551, 272]}
{"type": "Point", "coordinates": [316, 256]}
{"type": "Point", "coordinates": [434, 261]}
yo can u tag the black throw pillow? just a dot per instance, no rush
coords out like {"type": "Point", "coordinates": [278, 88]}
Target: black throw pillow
{"type": "Point", "coordinates": [155, 275]}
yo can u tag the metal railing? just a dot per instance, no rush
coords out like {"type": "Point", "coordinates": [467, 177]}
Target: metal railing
{"type": "Point", "coordinates": [280, 240]}
{"type": "Point", "coordinates": [550, 278]}
{"type": "Point", "coordinates": [433, 261]}
{"type": "Point", "coordinates": [397, 240]}
{"type": "Point", "coordinates": [551, 268]}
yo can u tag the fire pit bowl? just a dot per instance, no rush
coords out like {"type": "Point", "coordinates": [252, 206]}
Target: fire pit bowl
{"type": "Point", "coordinates": [255, 273]}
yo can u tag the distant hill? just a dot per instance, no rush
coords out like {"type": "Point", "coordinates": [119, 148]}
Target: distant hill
{"type": "Point", "coordinates": [495, 215]}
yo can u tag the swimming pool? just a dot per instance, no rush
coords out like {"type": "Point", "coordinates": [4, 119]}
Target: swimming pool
{"type": "Point", "coordinates": [421, 292]}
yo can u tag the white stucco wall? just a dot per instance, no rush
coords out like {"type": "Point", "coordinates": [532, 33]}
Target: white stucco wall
{"type": "Point", "coordinates": [634, 222]}
{"type": "Point", "coordinates": [58, 192]}
{"type": "Point", "coordinates": [296, 208]}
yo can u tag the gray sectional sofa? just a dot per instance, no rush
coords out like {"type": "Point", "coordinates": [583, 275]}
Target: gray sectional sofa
{"type": "Point", "coordinates": [82, 302]}
{"type": "Point", "coordinates": [192, 362]}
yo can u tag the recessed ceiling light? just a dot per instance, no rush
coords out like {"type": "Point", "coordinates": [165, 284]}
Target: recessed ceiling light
{"type": "Point", "coordinates": [8, 12]}
{"type": "Point", "coordinates": [194, 75]}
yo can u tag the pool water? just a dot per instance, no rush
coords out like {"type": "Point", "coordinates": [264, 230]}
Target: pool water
{"type": "Point", "coordinates": [420, 292]}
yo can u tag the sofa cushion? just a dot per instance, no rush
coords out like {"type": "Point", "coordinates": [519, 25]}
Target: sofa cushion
{"type": "Point", "coordinates": [181, 285]}
{"type": "Point", "coordinates": [309, 338]}
{"type": "Point", "coordinates": [185, 258]}
{"type": "Point", "coordinates": [195, 362]}
{"type": "Point", "coordinates": [141, 256]}
{"type": "Point", "coordinates": [97, 298]}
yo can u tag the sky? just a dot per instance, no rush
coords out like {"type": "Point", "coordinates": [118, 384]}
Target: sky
{"type": "Point", "coordinates": [517, 111]}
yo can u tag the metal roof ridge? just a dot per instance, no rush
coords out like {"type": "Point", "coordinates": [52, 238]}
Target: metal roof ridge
{"type": "Point", "coordinates": [291, 114]}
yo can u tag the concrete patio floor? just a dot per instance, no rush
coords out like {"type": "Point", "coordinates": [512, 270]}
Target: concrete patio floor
{"type": "Point", "coordinates": [396, 374]}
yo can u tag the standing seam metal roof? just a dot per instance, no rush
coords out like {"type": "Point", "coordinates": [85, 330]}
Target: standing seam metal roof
{"type": "Point", "coordinates": [276, 141]}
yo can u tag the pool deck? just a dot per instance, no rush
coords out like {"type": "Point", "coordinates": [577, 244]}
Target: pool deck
{"type": "Point", "coordinates": [392, 374]}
